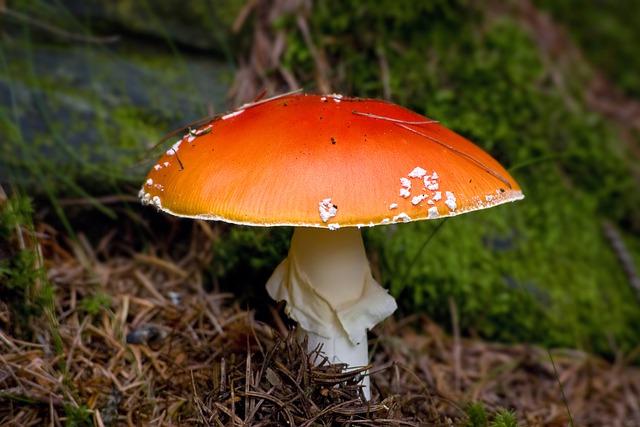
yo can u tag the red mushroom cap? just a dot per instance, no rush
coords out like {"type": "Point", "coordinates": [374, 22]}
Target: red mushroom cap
{"type": "Point", "coordinates": [325, 161]}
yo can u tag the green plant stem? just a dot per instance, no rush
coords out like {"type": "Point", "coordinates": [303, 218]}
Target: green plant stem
{"type": "Point", "coordinates": [564, 398]}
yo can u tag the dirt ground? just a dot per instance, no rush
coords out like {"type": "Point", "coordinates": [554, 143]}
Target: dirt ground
{"type": "Point", "coordinates": [133, 339]}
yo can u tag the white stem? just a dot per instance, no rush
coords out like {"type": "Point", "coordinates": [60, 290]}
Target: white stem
{"type": "Point", "coordinates": [327, 284]}
{"type": "Point", "coordinates": [340, 349]}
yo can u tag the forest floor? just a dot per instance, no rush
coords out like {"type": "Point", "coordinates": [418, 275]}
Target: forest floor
{"type": "Point", "coordinates": [119, 330]}
{"type": "Point", "coordinates": [131, 338]}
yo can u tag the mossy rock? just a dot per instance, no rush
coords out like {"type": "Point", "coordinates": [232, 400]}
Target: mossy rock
{"type": "Point", "coordinates": [78, 118]}
{"type": "Point", "coordinates": [195, 25]}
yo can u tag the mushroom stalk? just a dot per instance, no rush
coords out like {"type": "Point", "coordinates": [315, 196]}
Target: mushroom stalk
{"type": "Point", "coordinates": [327, 284]}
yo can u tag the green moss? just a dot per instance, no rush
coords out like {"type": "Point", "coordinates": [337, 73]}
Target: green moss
{"type": "Point", "coordinates": [477, 415]}
{"type": "Point", "coordinates": [19, 271]}
{"type": "Point", "coordinates": [77, 416]}
{"type": "Point", "coordinates": [197, 24]}
{"type": "Point", "coordinates": [81, 120]}
{"type": "Point", "coordinates": [360, 33]}
{"type": "Point", "coordinates": [539, 270]}
{"type": "Point", "coordinates": [504, 418]}
{"type": "Point", "coordinates": [248, 256]}
{"type": "Point", "coordinates": [95, 303]}
{"type": "Point", "coordinates": [608, 35]}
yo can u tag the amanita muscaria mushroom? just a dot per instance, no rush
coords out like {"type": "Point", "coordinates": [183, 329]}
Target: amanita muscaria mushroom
{"type": "Point", "coordinates": [326, 165]}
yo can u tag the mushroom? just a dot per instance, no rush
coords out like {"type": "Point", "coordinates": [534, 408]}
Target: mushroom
{"type": "Point", "coordinates": [326, 165]}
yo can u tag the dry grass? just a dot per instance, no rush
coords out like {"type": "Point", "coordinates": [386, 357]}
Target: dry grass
{"type": "Point", "coordinates": [167, 353]}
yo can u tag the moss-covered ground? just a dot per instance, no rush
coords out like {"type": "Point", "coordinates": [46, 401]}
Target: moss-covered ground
{"type": "Point", "coordinates": [542, 270]}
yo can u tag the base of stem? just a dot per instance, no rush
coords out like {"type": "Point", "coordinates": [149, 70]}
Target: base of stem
{"type": "Point", "coordinates": [340, 349]}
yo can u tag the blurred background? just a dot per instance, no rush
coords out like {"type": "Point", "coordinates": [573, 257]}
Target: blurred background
{"type": "Point", "coordinates": [551, 89]}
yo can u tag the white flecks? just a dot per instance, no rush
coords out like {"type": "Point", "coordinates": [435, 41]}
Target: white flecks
{"type": "Point", "coordinates": [385, 221]}
{"type": "Point", "coordinates": [430, 181]}
{"type": "Point", "coordinates": [418, 199]}
{"type": "Point", "coordinates": [334, 226]}
{"type": "Point", "coordinates": [437, 196]}
{"type": "Point", "coordinates": [451, 201]}
{"type": "Point", "coordinates": [418, 172]}
{"type": "Point", "coordinates": [431, 202]}
{"type": "Point", "coordinates": [323, 99]}
{"type": "Point", "coordinates": [191, 137]}
{"type": "Point", "coordinates": [433, 213]}
{"type": "Point", "coordinates": [166, 164]}
{"type": "Point", "coordinates": [149, 181]}
{"type": "Point", "coordinates": [232, 114]}
{"type": "Point", "coordinates": [157, 167]}
{"type": "Point", "coordinates": [488, 198]}
{"type": "Point", "coordinates": [174, 149]}
{"type": "Point", "coordinates": [405, 183]}
{"type": "Point", "coordinates": [406, 186]}
{"type": "Point", "coordinates": [393, 205]}
{"type": "Point", "coordinates": [402, 217]}
{"type": "Point", "coordinates": [145, 198]}
{"type": "Point", "coordinates": [156, 202]}
{"type": "Point", "coordinates": [327, 209]}
{"type": "Point", "coordinates": [336, 97]}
